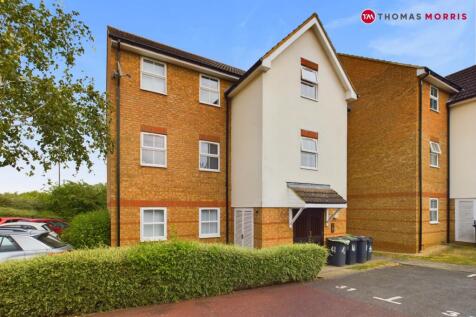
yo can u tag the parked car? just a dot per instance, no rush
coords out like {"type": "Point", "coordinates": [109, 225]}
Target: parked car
{"type": "Point", "coordinates": [57, 225]}
{"type": "Point", "coordinates": [28, 225]}
{"type": "Point", "coordinates": [23, 244]}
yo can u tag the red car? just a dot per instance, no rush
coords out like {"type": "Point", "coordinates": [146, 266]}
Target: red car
{"type": "Point", "coordinates": [57, 225]}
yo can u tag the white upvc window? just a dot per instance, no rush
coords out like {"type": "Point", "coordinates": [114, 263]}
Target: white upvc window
{"type": "Point", "coordinates": [209, 158]}
{"type": "Point", "coordinates": [308, 83]}
{"type": "Point", "coordinates": [209, 90]}
{"type": "Point", "coordinates": [209, 222]}
{"type": "Point", "coordinates": [435, 152]}
{"type": "Point", "coordinates": [308, 153]}
{"type": "Point", "coordinates": [153, 224]}
{"type": "Point", "coordinates": [434, 210]}
{"type": "Point", "coordinates": [434, 105]}
{"type": "Point", "coordinates": [153, 149]}
{"type": "Point", "coordinates": [153, 76]}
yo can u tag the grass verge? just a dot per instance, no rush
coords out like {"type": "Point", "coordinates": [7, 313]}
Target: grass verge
{"type": "Point", "coordinates": [27, 213]}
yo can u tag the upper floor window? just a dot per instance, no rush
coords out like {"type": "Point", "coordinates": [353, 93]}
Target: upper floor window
{"type": "Point", "coordinates": [434, 99]}
{"type": "Point", "coordinates": [308, 83]}
{"type": "Point", "coordinates": [209, 222]}
{"type": "Point", "coordinates": [433, 210]}
{"type": "Point", "coordinates": [153, 76]}
{"type": "Point", "coordinates": [153, 149]}
{"type": "Point", "coordinates": [209, 90]}
{"type": "Point", "coordinates": [308, 153]}
{"type": "Point", "coordinates": [435, 152]}
{"type": "Point", "coordinates": [153, 224]}
{"type": "Point", "coordinates": [209, 156]}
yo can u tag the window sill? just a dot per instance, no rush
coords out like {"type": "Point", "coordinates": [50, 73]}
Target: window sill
{"type": "Point", "coordinates": [309, 168]}
{"type": "Point", "coordinates": [152, 165]}
{"type": "Point", "coordinates": [207, 170]}
{"type": "Point", "coordinates": [209, 236]}
{"type": "Point", "coordinates": [210, 104]}
{"type": "Point", "coordinates": [434, 222]}
{"type": "Point", "coordinates": [309, 98]}
{"type": "Point", "coordinates": [435, 110]}
{"type": "Point", "coordinates": [153, 239]}
{"type": "Point", "coordinates": [434, 166]}
{"type": "Point", "coordinates": [155, 91]}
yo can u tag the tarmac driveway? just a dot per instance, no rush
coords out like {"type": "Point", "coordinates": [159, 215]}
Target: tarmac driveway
{"type": "Point", "coordinates": [395, 291]}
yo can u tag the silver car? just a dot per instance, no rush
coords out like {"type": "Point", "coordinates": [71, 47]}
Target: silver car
{"type": "Point", "coordinates": [29, 226]}
{"type": "Point", "coordinates": [23, 244]}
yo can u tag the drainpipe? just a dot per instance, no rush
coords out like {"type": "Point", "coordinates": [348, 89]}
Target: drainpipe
{"type": "Point", "coordinates": [448, 214]}
{"type": "Point", "coordinates": [227, 147]}
{"type": "Point", "coordinates": [118, 145]}
{"type": "Point", "coordinates": [420, 162]}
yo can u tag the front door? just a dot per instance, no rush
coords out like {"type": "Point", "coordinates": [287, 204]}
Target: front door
{"type": "Point", "coordinates": [465, 216]}
{"type": "Point", "coordinates": [244, 227]}
{"type": "Point", "coordinates": [309, 226]}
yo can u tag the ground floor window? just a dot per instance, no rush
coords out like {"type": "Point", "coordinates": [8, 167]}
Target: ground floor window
{"type": "Point", "coordinates": [153, 225]}
{"type": "Point", "coordinates": [433, 210]}
{"type": "Point", "coordinates": [209, 222]}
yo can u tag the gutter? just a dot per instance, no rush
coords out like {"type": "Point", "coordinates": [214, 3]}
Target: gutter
{"type": "Point", "coordinates": [117, 76]}
{"type": "Point", "coordinates": [420, 161]}
{"type": "Point", "coordinates": [227, 147]}
{"type": "Point", "coordinates": [448, 214]}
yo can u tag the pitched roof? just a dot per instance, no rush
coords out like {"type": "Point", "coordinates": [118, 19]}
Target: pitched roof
{"type": "Point", "coordinates": [316, 194]}
{"type": "Point", "coordinates": [465, 78]}
{"type": "Point", "coordinates": [173, 52]}
{"type": "Point", "coordinates": [269, 54]}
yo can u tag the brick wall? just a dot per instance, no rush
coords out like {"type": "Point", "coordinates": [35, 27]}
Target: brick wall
{"type": "Point", "coordinates": [383, 156]}
{"type": "Point", "coordinates": [180, 187]}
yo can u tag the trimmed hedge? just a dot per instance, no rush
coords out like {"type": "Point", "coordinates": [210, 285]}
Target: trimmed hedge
{"type": "Point", "coordinates": [89, 230]}
{"type": "Point", "coordinates": [88, 281]}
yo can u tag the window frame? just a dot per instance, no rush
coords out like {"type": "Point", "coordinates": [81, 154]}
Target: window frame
{"type": "Point", "coordinates": [162, 238]}
{"type": "Point", "coordinates": [152, 148]}
{"type": "Point", "coordinates": [153, 75]}
{"type": "Point", "coordinates": [437, 209]}
{"type": "Point", "coordinates": [438, 153]}
{"type": "Point", "coordinates": [208, 235]}
{"type": "Point", "coordinates": [308, 151]}
{"type": "Point", "coordinates": [208, 155]}
{"type": "Point", "coordinates": [437, 97]}
{"type": "Point", "coordinates": [208, 89]}
{"type": "Point", "coordinates": [306, 82]}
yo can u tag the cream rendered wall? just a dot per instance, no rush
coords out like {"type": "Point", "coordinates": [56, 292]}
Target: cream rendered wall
{"type": "Point", "coordinates": [246, 141]}
{"type": "Point", "coordinates": [463, 150]}
{"type": "Point", "coordinates": [285, 113]}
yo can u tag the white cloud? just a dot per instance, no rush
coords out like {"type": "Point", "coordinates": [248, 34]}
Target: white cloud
{"type": "Point", "coordinates": [437, 44]}
{"type": "Point", "coordinates": [343, 22]}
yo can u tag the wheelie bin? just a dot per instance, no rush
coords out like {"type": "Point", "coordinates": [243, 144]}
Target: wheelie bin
{"type": "Point", "coordinates": [337, 251]}
{"type": "Point", "coordinates": [351, 252]}
{"type": "Point", "coordinates": [361, 249]}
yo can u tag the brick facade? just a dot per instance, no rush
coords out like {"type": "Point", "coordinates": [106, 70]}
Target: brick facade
{"type": "Point", "coordinates": [180, 187]}
{"type": "Point", "coordinates": [383, 154]}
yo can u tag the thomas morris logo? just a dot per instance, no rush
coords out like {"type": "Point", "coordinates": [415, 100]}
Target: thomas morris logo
{"type": "Point", "coordinates": [369, 16]}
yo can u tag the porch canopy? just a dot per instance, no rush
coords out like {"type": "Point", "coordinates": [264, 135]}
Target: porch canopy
{"type": "Point", "coordinates": [316, 196]}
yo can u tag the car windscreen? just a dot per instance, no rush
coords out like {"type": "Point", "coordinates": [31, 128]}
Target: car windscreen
{"type": "Point", "coordinates": [50, 241]}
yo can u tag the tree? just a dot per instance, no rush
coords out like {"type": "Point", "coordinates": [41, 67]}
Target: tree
{"type": "Point", "coordinates": [47, 115]}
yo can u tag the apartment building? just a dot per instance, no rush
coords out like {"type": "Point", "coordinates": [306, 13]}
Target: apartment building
{"type": "Point", "coordinates": [209, 152]}
{"type": "Point", "coordinates": [462, 110]}
{"type": "Point", "coordinates": [398, 154]}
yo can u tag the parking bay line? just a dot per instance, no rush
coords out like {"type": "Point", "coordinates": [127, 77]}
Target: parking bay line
{"type": "Point", "coordinates": [391, 300]}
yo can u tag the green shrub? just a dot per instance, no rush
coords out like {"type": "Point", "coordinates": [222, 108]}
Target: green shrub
{"type": "Point", "coordinates": [34, 200]}
{"type": "Point", "coordinates": [70, 199]}
{"type": "Point", "coordinates": [89, 230]}
{"type": "Point", "coordinates": [87, 281]}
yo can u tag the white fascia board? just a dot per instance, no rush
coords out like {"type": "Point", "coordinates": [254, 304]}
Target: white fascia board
{"type": "Point", "coordinates": [325, 206]}
{"type": "Point", "coordinates": [264, 67]}
{"type": "Point", "coordinates": [172, 60]}
{"type": "Point", "coordinates": [463, 102]}
{"type": "Point", "coordinates": [350, 94]}
{"type": "Point", "coordinates": [436, 81]}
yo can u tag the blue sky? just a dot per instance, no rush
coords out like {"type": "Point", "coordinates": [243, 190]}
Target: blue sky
{"type": "Point", "coordinates": [239, 32]}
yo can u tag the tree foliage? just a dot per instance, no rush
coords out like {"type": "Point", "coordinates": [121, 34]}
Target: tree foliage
{"type": "Point", "coordinates": [47, 114]}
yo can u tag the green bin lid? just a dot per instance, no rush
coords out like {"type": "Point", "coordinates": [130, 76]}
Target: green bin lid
{"type": "Point", "coordinates": [339, 240]}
